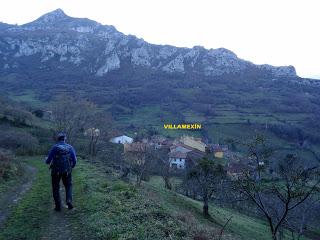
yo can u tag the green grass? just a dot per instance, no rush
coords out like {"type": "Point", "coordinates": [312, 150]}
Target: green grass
{"type": "Point", "coordinates": [193, 117]}
{"type": "Point", "coordinates": [27, 96]}
{"type": "Point", "coordinates": [112, 209]}
{"type": "Point", "coordinates": [106, 208]}
{"type": "Point", "coordinates": [14, 175]}
{"type": "Point", "coordinates": [241, 226]}
{"type": "Point", "coordinates": [6, 185]}
{"type": "Point", "coordinates": [158, 182]}
{"type": "Point", "coordinates": [28, 219]}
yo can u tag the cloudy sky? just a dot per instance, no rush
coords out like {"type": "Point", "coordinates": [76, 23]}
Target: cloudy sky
{"type": "Point", "coordinates": [278, 32]}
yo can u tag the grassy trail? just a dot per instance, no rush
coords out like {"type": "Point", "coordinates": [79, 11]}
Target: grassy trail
{"type": "Point", "coordinates": [15, 192]}
{"type": "Point", "coordinates": [105, 208]}
{"type": "Point", "coordinates": [30, 217]}
{"type": "Point", "coordinates": [33, 217]}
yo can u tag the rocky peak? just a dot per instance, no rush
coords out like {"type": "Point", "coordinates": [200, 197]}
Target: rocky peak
{"type": "Point", "coordinates": [53, 16]}
{"type": "Point", "coordinates": [59, 21]}
{"type": "Point", "coordinates": [222, 52]}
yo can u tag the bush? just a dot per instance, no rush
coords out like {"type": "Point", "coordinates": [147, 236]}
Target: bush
{"type": "Point", "coordinates": [8, 167]}
{"type": "Point", "coordinates": [22, 143]}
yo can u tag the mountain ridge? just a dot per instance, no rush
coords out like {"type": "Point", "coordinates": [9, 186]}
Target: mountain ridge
{"type": "Point", "coordinates": [99, 49]}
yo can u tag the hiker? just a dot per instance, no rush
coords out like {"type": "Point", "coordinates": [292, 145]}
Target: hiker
{"type": "Point", "coordinates": [62, 159]}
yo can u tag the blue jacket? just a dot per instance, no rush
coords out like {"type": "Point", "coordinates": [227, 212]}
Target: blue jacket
{"type": "Point", "coordinates": [53, 152]}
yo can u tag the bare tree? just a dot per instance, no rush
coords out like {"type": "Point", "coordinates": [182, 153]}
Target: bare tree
{"type": "Point", "coordinates": [224, 227]}
{"type": "Point", "coordinates": [206, 175]}
{"type": "Point", "coordinates": [258, 152]}
{"type": "Point", "coordinates": [162, 165]}
{"type": "Point", "coordinates": [301, 217]}
{"type": "Point", "coordinates": [72, 116]}
{"type": "Point", "coordinates": [101, 125]}
{"type": "Point", "coordinates": [278, 196]}
{"type": "Point", "coordinates": [138, 157]}
{"type": "Point", "coordinates": [93, 134]}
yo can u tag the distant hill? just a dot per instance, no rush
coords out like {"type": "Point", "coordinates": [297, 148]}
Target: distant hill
{"type": "Point", "coordinates": [58, 42]}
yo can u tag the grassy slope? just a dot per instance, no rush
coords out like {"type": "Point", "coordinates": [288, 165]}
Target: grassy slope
{"type": "Point", "coordinates": [228, 121]}
{"type": "Point", "coordinates": [244, 227]}
{"type": "Point", "coordinates": [107, 208]}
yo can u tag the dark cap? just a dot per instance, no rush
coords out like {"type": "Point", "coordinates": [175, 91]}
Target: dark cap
{"type": "Point", "coordinates": [61, 136]}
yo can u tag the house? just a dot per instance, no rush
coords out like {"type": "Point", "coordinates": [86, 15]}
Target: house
{"type": "Point", "coordinates": [178, 155]}
{"type": "Point", "coordinates": [237, 169]}
{"type": "Point", "coordinates": [182, 156]}
{"type": "Point", "coordinates": [193, 142]}
{"type": "Point", "coordinates": [177, 160]}
{"type": "Point", "coordinates": [217, 150]}
{"type": "Point", "coordinates": [179, 147]}
{"type": "Point", "coordinates": [121, 139]}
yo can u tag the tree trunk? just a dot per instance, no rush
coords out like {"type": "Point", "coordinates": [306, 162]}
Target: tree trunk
{"type": "Point", "coordinates": [167, 183]}
{"type": "Point", "coordinates": [125, 171]}
{"type": "Point", "coordinates": [274, 236]}
{"type": "Point", "coordinates": [139, 179]}
{"type": "Point", "coordinates": [90, 145]}
{"type": "Point", "coordinates": [194, 195]}
{"type": "Point", "coordinates": [205, 206]}
{"type": "Point", "coordinates": [94, 149]}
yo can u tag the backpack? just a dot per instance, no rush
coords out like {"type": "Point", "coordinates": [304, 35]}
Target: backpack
{"type": "Point", "coordinates": [61, 161]}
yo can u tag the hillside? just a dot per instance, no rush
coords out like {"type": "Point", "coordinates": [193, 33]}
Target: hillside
{"type": "Point", "coordinates": [108, 208]}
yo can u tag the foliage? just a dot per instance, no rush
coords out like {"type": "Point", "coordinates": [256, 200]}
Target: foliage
{"type": "Point", "coordinates": [20, 141]}
{"type": "Point", "coordinates": [9, 168]}
{"type": "Point", "coordinates": [206, 175]}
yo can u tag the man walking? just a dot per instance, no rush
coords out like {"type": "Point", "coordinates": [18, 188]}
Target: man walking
{"type": "Point", "coordinates": [62, 159]}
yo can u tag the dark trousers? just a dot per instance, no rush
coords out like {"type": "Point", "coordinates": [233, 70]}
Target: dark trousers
{"type": "Point", "coordinates": [67, 182]}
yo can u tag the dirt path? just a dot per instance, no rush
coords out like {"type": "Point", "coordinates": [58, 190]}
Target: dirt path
{"type": "Point", "coordinates": [12, 197]}
{"type": "Point", "coordinates": [59, 226]}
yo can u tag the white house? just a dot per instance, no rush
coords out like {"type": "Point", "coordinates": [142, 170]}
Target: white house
{"type": "Point", "coordinates": [177, 160]}
{"type": "Point", "coordinates": [121, 139]}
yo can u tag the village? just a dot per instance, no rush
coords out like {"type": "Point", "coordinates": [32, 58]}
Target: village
{"type": "Point", "coordinates": [186, 151]}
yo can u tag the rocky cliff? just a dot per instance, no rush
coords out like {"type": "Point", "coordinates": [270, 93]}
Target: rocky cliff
{"type": "Point", "coordinates": [62, 42]}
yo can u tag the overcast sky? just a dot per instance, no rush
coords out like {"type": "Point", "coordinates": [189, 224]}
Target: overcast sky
{"type": "Point", "coordinates": [277, 32]}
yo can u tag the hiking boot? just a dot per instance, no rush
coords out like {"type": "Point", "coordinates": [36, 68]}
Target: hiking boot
{"type": "Point", "coordinates": [70, 206]}
{"type": "Point", "coordinates": [57, 209]}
